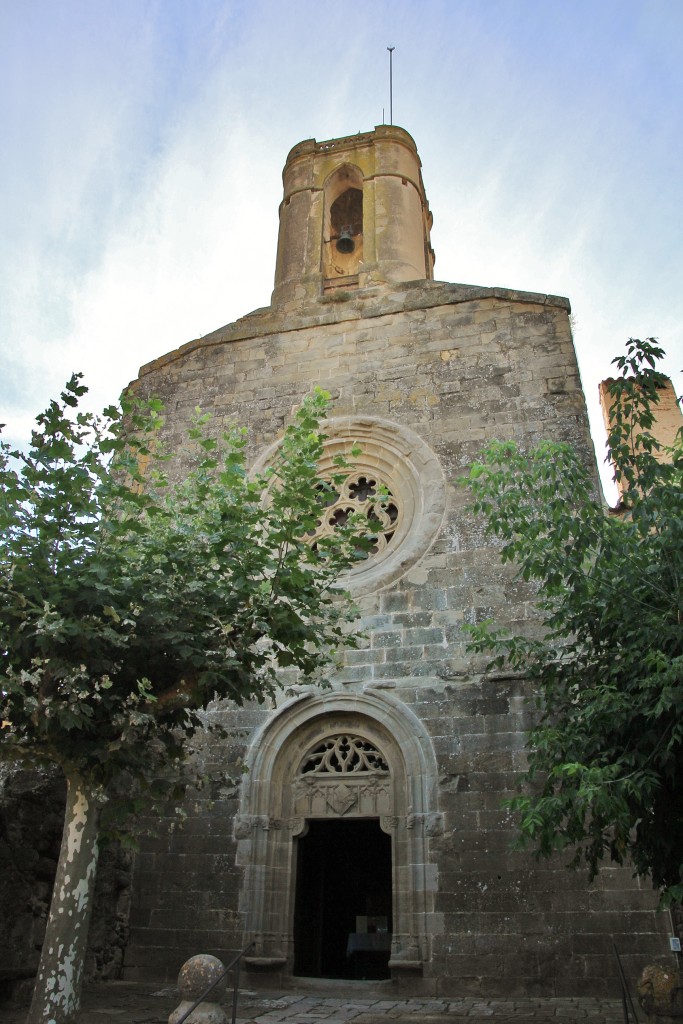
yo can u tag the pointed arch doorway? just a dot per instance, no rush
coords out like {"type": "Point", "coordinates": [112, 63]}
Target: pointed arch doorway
{"type": "Point", "coordinates": [327, 774]}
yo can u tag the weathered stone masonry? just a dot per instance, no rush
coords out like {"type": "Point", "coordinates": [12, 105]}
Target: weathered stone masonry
{"type": "Point", "coordinates": [424, 373]}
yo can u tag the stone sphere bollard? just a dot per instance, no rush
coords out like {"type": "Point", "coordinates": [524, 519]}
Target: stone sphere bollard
{"type": "Point", "coordinates": [660, 993]}
{"type": "Point", "coordinates": [195, 976]}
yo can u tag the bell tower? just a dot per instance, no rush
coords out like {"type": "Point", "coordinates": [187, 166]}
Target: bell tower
{"type": "Point", "coordinates": [354, 215]}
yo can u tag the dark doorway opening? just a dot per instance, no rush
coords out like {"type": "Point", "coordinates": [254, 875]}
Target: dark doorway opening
{"type": "Point", "coordinates": [343, 874]}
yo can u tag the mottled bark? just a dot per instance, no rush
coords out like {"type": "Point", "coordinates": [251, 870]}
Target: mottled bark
{"type": "Point", "coordinates": [57, 994]}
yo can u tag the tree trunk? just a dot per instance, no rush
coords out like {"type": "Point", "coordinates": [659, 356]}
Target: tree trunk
{"type": "Point", "coordinates": [57, 994]}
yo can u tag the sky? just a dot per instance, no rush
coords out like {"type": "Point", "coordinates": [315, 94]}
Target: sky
{"type": "Point", "coordinates": [143, 143]}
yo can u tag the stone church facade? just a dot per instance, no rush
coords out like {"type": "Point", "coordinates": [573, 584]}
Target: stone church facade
{"type": "Point", "coordinates": [357, 831]}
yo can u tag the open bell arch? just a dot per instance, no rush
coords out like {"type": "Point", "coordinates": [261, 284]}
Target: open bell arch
{"type": "Point", "coordinates": [342, 242]}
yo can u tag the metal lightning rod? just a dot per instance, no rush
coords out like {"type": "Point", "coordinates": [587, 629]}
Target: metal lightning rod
{"type": "Point", "coordinates": [391, 83]}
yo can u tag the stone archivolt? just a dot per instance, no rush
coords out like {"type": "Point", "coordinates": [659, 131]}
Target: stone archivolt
{"type": "Point", "coordinates": [333, 756]}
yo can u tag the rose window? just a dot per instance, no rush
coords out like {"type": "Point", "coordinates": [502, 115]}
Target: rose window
{"type": "Point", "coordinates": [397, 483]}
{"type": "Point", "coordinates": [364, 494]}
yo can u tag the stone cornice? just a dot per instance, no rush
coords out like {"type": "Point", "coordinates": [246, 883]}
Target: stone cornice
{"type": "Point", "coordinates": [361, 305]}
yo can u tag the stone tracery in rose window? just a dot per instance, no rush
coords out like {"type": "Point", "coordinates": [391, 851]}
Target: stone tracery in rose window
{"type": "Point", "coordinates": [344, 755]}
{"type": "Point", "coordinates": [361, 493]}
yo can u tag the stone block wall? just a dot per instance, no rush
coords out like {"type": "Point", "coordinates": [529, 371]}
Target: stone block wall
{"type": "Point", "coordinates": [446, 367]}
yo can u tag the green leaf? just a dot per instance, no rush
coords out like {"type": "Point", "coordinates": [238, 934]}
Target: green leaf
{"type": "Point", "coordinates": [607, 743]}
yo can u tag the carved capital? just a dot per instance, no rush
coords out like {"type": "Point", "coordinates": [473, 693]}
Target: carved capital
{"type": "Point", "coordinates": [243, 826]}
{"type": "Point", "coordinates": [433, 824]}
{"type": "Point", "coordinates": [388, 823]}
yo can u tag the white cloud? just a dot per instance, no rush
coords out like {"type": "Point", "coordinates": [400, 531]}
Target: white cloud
{"type": "Point", "coordinates": [146, 143]}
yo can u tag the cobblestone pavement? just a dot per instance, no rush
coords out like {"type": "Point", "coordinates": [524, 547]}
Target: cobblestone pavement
{"type": "Point", "coordinates": [120, 1002]}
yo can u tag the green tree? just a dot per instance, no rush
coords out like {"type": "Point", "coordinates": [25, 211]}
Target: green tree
{"type": "Point", "coordinates": [128, 603]}
{"type": "Point", "coordinates": [606, 750]}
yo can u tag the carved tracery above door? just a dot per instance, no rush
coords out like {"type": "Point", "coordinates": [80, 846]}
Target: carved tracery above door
{"type": "Point", "coordinates": [346, 755]}
{"type": "Point", "coordinates": [344, 774]}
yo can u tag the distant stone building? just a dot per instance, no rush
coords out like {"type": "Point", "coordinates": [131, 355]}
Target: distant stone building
{"type": "Point", "coordinates": [668, 418]}
{"type": "Point", "coordinates": [366, 838]}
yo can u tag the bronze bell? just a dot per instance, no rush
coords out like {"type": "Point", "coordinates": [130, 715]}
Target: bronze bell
{"type": "Point", "coordinates": [345, 242]}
